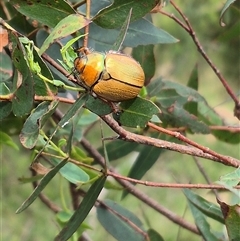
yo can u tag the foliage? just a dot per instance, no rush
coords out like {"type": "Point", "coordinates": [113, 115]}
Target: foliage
{"type": "Point", "coordinates": [56, 117]}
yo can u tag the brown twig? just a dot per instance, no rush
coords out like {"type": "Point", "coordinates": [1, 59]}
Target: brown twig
{"type": "Point", "coordinates": [224, 159]}
{"type": "Point", "coordinates": [203, 152]}
{"type": "Point", "coordinates": [88, 8]}
{"type": "Point", "coordinates": [232, 129]}
{"type": "Point", "coordinates": [168, 185]}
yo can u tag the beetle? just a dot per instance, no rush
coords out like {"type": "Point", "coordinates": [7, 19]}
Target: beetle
{"type": "Point", "coordinates": [112, 76]}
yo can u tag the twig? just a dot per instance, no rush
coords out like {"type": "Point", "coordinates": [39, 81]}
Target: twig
{"type": "Point", "coordinates": [75, 196]}
{"type": "Point", "coordinates": [168, 185]}
{"type": "Point", "coordinates": [224, 159]}
{"type": "Point", "coordinates": [203, 152]}
{"type": "Point", "coordinates": [232, 129]}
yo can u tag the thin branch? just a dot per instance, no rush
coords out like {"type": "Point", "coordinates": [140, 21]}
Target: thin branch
{"type": "Point", "coordinates": [59, 68]}
{"type": "Point", "coordinates": [224, 159]}
{"type": "Point", "coordinates": [137, 193]}
{"type": "Point", "coordinates": [168, 185]}
{"type": "Point", "coordinates": [232, 129]}
{"type": "Point", "coordinates": [193, 151]}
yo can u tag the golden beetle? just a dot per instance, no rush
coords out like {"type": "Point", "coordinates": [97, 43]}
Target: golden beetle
{"type": "Point", "coordinates": [112, 76]}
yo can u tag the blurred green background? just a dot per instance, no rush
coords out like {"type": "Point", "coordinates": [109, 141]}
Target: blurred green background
{"type": "Point", "coordinates": [174, 62]}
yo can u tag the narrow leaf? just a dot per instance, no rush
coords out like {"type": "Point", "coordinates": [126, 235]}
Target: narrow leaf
{"type": "Point", "coordinates": [5, 139]}
{"type": "Point", "coordinates": [122, 34]}
{"type": "Point", "coordinates": [208, 208]}
{"type": "Point", "coordinates": [81, 213]}
{"type": "Point", "coordinates": [154, 235]}
{"type": "Point", "coordinates": [145, 160]}
{"type": "Point", "coordinates": [192, 107]}
{"type": "Point", "coordinates": [120, 222]}
{"type": "Point", "coordinates": [118, 148]}
{"type": "Point", "coordinates": [225, 7]}
{"type": "Point", "coordinates": [43, 183]}
{"type": "Point", "coordinates": [202, 224]}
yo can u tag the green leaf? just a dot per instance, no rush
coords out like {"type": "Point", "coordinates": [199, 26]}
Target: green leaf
{"type": "Point", "coordinates": [175, 115]}
{"type": "Point", "coordinates": [154, 235]}
{"type": "Point", "coordinates": [5, 139]}
{"type": "Point", "coordinates": [145, 56]}
{"type": "Point", "coordinates": [6, 66]}
{"type": "Point", "coordinates": [5, 106]}
{"type": "Point", "coordinates": [115, 15]}
{"type": "Point", "coordinates": [77, 106]}
{"type": "Point", "coordinates": [122, 34]}
{"type": "Point", "coordinates": [232, 220]}
{"type": "Point", "coordinates": [23, 79]}
{"type": "Point", "coordinates": [38, 66]}
{"type": "Point", "coordinates": [98, 106]}
{"type": "Point", "coordinates": [225, 7]}
{"type": "Point", "coordinates": [147, 157]}
{"type": "Point", "coordinates": [48, 13]}
{"type": "Point", "coordinates": [4, 90]}
{"type": "Point", "coordinates": [210, 117]}
{"type": "Point", "coordinates": [63, 217]}
{"type": "Point", "coordinates": [118, 148]}
{"type": "Point", "coordinates": [136, 112]}
{"type": "Point", "coordinates": [192, 107]}
{"type": "Point", "coordinates": [113, 218]}
{"type": "Point", "coordinates": [43, 183]}
{"type": "Point", "coordinates": [208, 208]}
{"type": "Point", "coordinates": [72, 111]}
{"type": "Point", "coordinates": [235, 191]}
{"type": "Point", "coordinates": [33, 124]}
{"type": "Point", "coordinates": [71, 172]}
{"type": "Point", "coordinates": [65, 27]}
{"type": "Point", "coordinates": [82, 211]}
{"type": "Point", "coordinates": [232, 179]}
{"type": "Point", "coordinates": [143, 32]}
{"type": "Point", "coordinates": [202, 224]}
{"type": "Point", "coordinates": [87, 118]}
{"type": "Point", "coordinates": [173, 97]}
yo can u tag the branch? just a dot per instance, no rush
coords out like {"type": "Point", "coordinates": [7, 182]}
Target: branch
{"type": "Point", "coordinates": [203, 152]}
{"type": "Point", "coordinates": [224, 159]}
{"type": "Point", "coordinates": [168, 185]}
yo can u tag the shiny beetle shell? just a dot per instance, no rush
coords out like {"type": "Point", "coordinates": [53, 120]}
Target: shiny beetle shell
{"type": "Point", "coordinates": [112, 76]}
